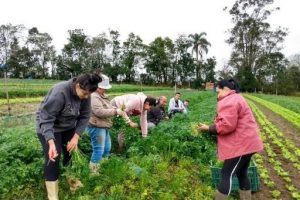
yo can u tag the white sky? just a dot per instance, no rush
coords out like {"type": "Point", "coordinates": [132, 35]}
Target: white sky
{"type": "Point", "coordinates": [146, 18]}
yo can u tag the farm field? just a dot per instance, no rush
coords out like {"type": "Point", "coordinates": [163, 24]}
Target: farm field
{"type": "Point", "coordinates": [292, 103]}
{"type": "Point", "coordinates": [171, 163]}
{"type": "Point", "coordinates": [37, 88]}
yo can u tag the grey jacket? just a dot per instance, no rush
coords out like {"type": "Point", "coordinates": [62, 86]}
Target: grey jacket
{"type": "Point", "coordinates": [62, 110]}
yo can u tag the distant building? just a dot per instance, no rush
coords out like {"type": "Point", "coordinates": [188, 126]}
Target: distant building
{"type": "Point", "coordinates": [209, 86]}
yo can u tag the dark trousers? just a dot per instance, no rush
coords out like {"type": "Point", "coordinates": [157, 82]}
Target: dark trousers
{"type": "Point", "coordinates": [51, 169]}
{"type": "Point", "coordinates": [238, 166]}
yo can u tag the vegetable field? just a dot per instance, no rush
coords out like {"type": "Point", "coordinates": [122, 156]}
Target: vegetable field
{"type": "Point", "coordinates": [172, 163]}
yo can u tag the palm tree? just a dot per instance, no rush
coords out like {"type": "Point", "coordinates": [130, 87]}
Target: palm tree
{"type": "Point", "coordinates": [200, 45]}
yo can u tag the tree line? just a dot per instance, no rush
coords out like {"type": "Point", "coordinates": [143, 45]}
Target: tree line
{"type": "Point", "coordinates": [31, 54]}
{"type": "Point", "coordinates": [256, 60]}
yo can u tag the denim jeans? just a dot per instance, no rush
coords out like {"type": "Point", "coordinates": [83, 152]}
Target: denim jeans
{"type": "Point", "coordinates": [101, 143]}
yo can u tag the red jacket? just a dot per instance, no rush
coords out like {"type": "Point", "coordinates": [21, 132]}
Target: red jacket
{"type": "Point", "coordinates": [237, 131]}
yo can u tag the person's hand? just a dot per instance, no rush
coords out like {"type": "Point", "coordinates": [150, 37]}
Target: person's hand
{"type": "Point", "coordinates": [133, 125]}
{"type": "Point", "coordinates": [203, 127]}
{"type": "Point", "coordinates": [73, 143]}
{"type": "Point", "coordinates": [52, 153]}
{"type": "Point", "coordinates": [120, 112]}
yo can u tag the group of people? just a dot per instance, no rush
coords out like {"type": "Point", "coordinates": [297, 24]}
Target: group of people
{"type": "Point", "coordinates": [82, 103]}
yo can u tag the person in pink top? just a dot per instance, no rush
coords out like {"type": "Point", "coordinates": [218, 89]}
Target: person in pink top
{"type": "Point", "coordinates": [238, 138]}
{"type": "Point", "coordinates": [133, 105]}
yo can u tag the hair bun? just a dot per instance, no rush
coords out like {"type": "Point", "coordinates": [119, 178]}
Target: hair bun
{"type": "Point", "coordinates": [95, 78]}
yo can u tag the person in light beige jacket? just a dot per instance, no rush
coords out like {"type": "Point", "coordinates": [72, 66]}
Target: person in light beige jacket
{"type": "Point", "coordinates": [100, 122]}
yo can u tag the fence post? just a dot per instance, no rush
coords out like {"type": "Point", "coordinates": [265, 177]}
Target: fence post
{"type": "Point", "coordinates": [6, 91]}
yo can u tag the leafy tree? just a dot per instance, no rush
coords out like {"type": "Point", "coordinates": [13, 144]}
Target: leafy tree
{"type": "Point", "coordinates": [13, 61]}
{"type": "Point", "coordinates": [114, 68]}
{"type": "Point", "coordinates": [133, 52]}
{"type": "Point", "coordinates": [252, 38]}
{"type": "Point", "coordinates": [26, 62]}
{"type": "Point", "coordinates": [40, 45]}
{"type": "Point", "coordinates": [99, 57]}
{"type": "Point", "coordinates": [209, 70]}
{"type": "Point", "coordinates": [76, 52]}
{"type": "Point", "coordinates": [158, 61]}
{"type": "Point", "coordinates": [62, 70]}
{"type": "Point", "coordinates": [184, 67]}
{"type": "Point", "coordinates": [8, 35]}
{"type": "Point", "coordinates": [293, 74]}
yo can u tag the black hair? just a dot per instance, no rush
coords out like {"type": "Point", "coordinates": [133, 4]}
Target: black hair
{"type": "Point", "coordinates": [151, 101]}
{"type": "Point", "coordinates": [88, 82]}
{"type": "Point", "coordinates": [231, 84]}
{"type": "Point", "coordinates": [187, 100]}
{"type": "Point", "coordinates": [177, 93]}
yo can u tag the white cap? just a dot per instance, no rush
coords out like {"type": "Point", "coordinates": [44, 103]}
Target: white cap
{"type": "Point", "coordinates": [104, 84]}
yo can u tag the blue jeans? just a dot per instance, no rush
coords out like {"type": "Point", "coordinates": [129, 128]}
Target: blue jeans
{"type": "Point", "coordinates": [101, 143]}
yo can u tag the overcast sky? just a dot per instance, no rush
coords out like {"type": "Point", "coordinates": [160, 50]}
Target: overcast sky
{"type": "Point", "coordinates": [146, 18]}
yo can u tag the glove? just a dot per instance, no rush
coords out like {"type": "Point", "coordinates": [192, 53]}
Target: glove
{"type": "Point", "coordinates": [120, 112]}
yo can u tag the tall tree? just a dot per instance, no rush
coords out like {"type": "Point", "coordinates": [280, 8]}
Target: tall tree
{"type": "Point", "coordinates": [133, 52]}
{"type": "Point", "coordinates": [209, 70]}
{"type": "Point", "coordinates": [114, 69]}
{"type": "Point", "coordinates": [184, 68]}
{"type": "Point", "coordinates": [40, 45]}
{"type": "Point", "coordinates": [76, 52]}
{"type": "Point", "coordinates": [252, 38]}
{"type": "Point", "coordinates": [200, 46]}
{"type": "Point", "coordinates": [99, 57]}
{"type": "Point", "coordinates": [158, 61]}
{"type": "Point", "coordinates": [8, 35]}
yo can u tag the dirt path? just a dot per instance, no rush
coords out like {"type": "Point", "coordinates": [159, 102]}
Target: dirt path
{"type": "Point", "coordinates": [291, 133]}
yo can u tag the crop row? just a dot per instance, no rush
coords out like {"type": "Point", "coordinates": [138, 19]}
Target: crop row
{"type": "Point", "coordinates": [289, 115]}
{"type": "Point", "coordinates": [289, 102]}
{"type": "Point", "coordinates": [266, 136]}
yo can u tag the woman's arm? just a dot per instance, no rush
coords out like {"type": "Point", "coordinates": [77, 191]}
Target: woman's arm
{"type": "Point", "coordinates": [227, 119]}
{"type": "Point", "coordinates": [143, 122]}
{"type": "Point", "coordinates": [49, 110]}
{"type": "Point", "coordinates": [84, 116]}
{"type": "Point", "coordinates": [99, 110]}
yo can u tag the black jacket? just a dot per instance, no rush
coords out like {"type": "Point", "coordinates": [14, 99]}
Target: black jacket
{"type": "Point", "coordinates": [156, 114]}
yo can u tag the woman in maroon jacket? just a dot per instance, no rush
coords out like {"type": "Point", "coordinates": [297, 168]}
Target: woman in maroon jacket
{"type": "Point", "coordinates": [238, 138]}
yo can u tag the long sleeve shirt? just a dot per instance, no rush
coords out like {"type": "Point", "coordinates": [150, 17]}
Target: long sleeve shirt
{"type": "Point", "coordinates": [102, 111]}
{"type": "Point", "coordinates": [62, 110]}
{"type": "Point", "coordinates": [134, 105]}
{"type": "Point", "coordinates": [173, 106]}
